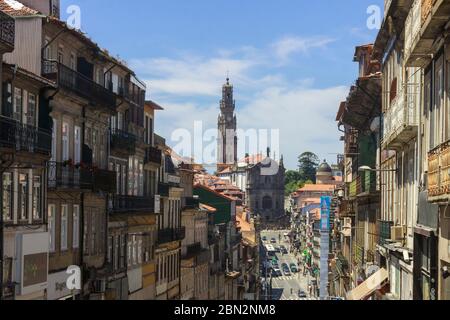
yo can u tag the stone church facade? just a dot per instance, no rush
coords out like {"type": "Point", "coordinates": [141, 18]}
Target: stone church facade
{"type": "Point", "coordinates": [265, 189]}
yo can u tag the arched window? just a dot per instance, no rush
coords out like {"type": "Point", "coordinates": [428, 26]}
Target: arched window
{"type": "Point", "coordinates": [267, 203]}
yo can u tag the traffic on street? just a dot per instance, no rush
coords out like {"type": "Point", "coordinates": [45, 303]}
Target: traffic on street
{"type": "Point", "coordinates": [282, 274]}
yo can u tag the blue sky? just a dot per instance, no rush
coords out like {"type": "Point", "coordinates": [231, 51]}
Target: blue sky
{"type": "Point", "coordinates": [290, 61]}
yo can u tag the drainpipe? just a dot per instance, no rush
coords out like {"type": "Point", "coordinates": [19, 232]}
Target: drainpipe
{"type": "Point", "coordinates": [81, 226]}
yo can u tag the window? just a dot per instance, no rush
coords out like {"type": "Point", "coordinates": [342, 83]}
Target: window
{"type": "Point", "coordinates": [65, 141]}
{"type": "Point", "coordinates": [95, 146]}
{"type": "Point", "coordinates": [37, 198]}
{"type": "Point", "coordinates": [51, 226]}
{"type": "Point", "coordinates": [110, 249]}
{"type": "Point", "coordinates": [73, 61]}
{"type": "Point", "coordinates": [18, 104]}
{"type": "Point", "coordinates": [76, 227]}
{"type": "Point", "coordinates": [61, 55]}
{"type": "Point", "coordinates": [7, 196]}
{"type": "Point", "coordinates": [123, 248]}
{"type": "Point", "coordinates": [31, 110]}
{"type": "Point", "coordinates": [23, 197]}
{"type": "Point", "coordinates": [64, 225]}
{"type": "Point", "coordinates": [47, 50]}
{"type": "Point", "coordinates": [77, 144]}
{"type": "Point", "coordinates": [116, 252]}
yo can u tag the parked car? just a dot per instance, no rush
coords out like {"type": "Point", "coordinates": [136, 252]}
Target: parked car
{"type": "Point", "coordinates": [273, 240]}
{"type": "Point", "coordinates": [284, 250]}
{"type": "Point", "coordinates": [264, 238]}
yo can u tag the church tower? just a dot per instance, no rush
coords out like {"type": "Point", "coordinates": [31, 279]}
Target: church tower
{"type": "Point", "coordinates": [227, 125]}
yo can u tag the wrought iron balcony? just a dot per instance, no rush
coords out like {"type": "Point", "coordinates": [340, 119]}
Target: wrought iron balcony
{"type": "Point", "coordinates": [65, 176]}
{"type": "Point", "coordinates": [401, 120]}
{"type": "Point", "coordinates": [366, 183]}
{"type": "Point", "coordinates": [153, 155]}
{"type": "Point", "coordinates": [78, 83]}
{"type": "Point", "coordinates": [104, 180]}
{"type": "Point", "coordinates": [424, 24]}
{"type": "Point", "coordinates": [123, 204]}
{"type": "Point", "coordinates": [7, 32]}
{"type": "Point", "coordinates": [22, 137]}
{"type": "Point", "coordinates": [123, 141]}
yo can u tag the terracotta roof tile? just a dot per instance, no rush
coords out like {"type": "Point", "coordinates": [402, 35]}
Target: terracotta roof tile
{"type": "Point", "coordinates": [17, 9]}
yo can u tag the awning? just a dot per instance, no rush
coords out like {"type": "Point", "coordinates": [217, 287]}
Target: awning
{"type": "Point", "coordinates": [368, 287]}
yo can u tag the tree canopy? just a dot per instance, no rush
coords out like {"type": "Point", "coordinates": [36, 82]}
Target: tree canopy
{"type": "Point", "coordinates": [308, 163]}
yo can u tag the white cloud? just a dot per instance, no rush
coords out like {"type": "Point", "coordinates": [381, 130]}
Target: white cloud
{"type": "Point", "coordinates": [290, 45]}
{"type": "Point", "coordinates": [192, 76]}
{"type": "Point", "coordinates": [189, 89]}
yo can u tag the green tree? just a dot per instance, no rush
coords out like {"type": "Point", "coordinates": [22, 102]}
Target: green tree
{"type": "Point", "coordinates": [308, 163]}
{"type": "Point", "coordinates": [292, 176]}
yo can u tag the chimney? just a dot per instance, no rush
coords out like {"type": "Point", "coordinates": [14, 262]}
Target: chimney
{"type": "Point", "coordinates": [47, 7]}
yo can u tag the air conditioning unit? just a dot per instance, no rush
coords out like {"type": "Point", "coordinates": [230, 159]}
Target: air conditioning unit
{"type": "Point", "coordinates": [398, 233]}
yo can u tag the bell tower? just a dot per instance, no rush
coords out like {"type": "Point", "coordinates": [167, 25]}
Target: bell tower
{"type": "Point", "coordinates": [227, 126]}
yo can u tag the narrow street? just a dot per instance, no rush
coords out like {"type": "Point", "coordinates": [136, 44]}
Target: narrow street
{"type": "Point", "coordinates": [286, 286]}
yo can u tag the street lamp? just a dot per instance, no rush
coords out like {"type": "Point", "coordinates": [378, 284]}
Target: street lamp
{"type": "Point", "coordinates": [367, 168]}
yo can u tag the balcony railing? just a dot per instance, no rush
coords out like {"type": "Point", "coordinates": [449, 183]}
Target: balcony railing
{"type": "Point", "coordinates": [366, 183]}
{"type": "Point", "coordinates": [78, 83]}
{"type": "Point", "coordinates": [170, 235]}
{"type": "Point", "coordinates": [153, 155]}
{"type": "Point", "coordinates": [401, 119]}
{"type": "Point", "coordinates": [385, 231]}
{"type": "Point", "coordinates": [439, 172]}
{"type": "Point", "coordinates": [123, 204]}
{"type": "Point", "coordinates": [123, 140]}
{"type": "Point", "coordinates": [66, 176]}
{"type": "Point", "coordinates": [7, 31]}
{"type": "Point", "coordinates": [22, 137]}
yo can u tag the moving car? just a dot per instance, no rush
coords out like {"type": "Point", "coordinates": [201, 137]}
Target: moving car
{"type": "Point", "coordinates": [302, 294]}
{"type": "Point", "coordinates": [276, 272]}
{"type": "Point", "coordinates": [286, 270]}
{"type": "Point", "coordinates": [294, 268]}
{"type": "Point", "coordinates": [273, 240]}
{"type": "Point", "coordinates": [264, 238]}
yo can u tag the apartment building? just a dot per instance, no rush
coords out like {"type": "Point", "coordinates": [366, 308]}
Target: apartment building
{"type": "Point", "coordinates": [427, 50]}
{"type": "Point", "coordinates": [170, 230]}
{"type": "Point", "coordinates": [359, 118]}
{"type": "Point", "coordinates": [195, 253]}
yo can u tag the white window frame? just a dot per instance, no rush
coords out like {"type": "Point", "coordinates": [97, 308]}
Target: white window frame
{"type": "Point", "coordinates": [77, 144]}
{"type": "Point", "coordinates": [65, 137]}
{"type": "Point", "coordinates": [76, 226]}
{"type": "Point", "coordinates": [64, 227]}
{"type": "Point", "coordinates": [51, 227]}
